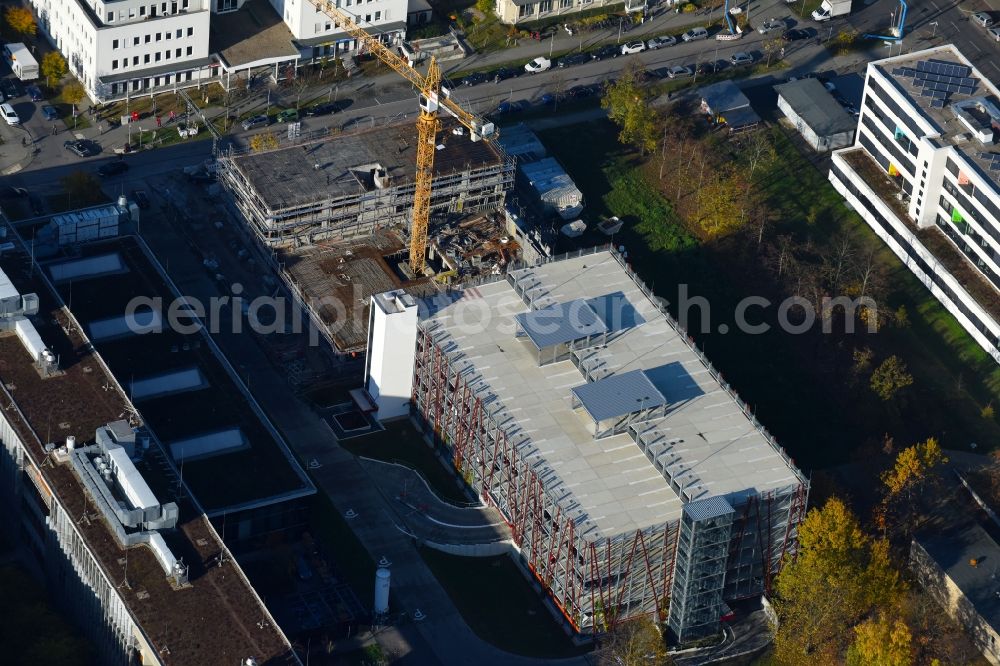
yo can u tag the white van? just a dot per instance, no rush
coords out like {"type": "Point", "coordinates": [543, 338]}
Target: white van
{"type": "Point", "coordinates": [9, 114]}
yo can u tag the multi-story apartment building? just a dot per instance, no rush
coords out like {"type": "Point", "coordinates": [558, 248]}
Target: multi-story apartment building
{"type": "Point", "coordinates": [924, 173]}
{"type": "Point", "coordinates": [126, 47]}
{"type": "Point", "coordinates": [523, 11]}
{"type": "Point", "coordinates": [318, 35]}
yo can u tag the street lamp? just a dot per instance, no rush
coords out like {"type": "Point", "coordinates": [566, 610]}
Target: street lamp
{"type": "Point", "coordinates": [620, 19]}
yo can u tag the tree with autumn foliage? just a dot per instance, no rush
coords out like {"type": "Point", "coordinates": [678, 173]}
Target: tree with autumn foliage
{"type": "Point", "coordinates": [890, 378]}
{"type": "Point", "coordinates": [881, 642]}
{"type": "Point", "coordinates": [21, 21]}
{"type": "Point", "coordinates": [913, 468]}
{"type": "Point", "coordinates": [627, 102]}
{"type": "Point", "coordinates": [838, 578]}
{"type": "Point", "coordinates": [635, 642]}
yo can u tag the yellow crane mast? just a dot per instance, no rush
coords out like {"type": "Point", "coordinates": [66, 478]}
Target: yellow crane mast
{"type": "Point", "coordinates": [432, 98]}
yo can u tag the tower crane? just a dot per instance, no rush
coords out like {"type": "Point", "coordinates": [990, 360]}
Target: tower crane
{"type": "Point", "coordinates": [432, 98]}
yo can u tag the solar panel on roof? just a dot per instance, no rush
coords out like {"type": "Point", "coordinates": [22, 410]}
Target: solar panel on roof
{"type": "Point", "coordinates": [926, 92]}
{"type": "Point", "coordinates": [937, 103]}
{"type": "Point", "coordinates": [898, 71]}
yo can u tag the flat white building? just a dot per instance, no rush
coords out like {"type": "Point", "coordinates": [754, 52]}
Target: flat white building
{"type": "Point", "coordinates": [132, 47]}
{"type": "Point", "coordinates": [317, 35]}
{"type": "Point", "coordinates": [523, 11]}
{"type": "Point", "coordinates": [392, 335]}
{"type": "Point", "coordinates": [924, 172]}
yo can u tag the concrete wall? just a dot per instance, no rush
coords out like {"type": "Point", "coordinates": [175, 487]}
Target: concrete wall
{"type": "Point", "coordinates": [933, 579]}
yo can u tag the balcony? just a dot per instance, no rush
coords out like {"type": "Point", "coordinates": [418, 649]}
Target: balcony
{"type": "Point", "coordinates": [944, 250]}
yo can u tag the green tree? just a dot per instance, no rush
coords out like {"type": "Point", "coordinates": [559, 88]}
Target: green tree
{"type": "Point", "coordinates": [890, 378]}
{"type": "Point", "coordinates": [635, 642]}
{"type": "Point", "coordinates": [881, 642]}
{"type": "Point", "coordinates": [627, 103]}
{"type": "Point", "coordinates": [837, 578]}
{"type": "Point", "coordinates": [485, 6]}
{"type": "Point", "coordinates": [53, 67]}
{"type": "Point", "coordinates": [82, 188]}
{"type": "Point", "coordinates": [21, 21]}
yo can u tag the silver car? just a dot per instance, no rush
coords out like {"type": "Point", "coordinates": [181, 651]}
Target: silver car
{"type": "Point", "coordinates": [680, 71]}
{"type": "Point", "coordinates": [983, 19]}
{"type": "Point", "coordinates": [741, 58]}
{"type": "Point", "coordinates": [659, 42]}
{"type": "Point", "coordinates": [695, 33]}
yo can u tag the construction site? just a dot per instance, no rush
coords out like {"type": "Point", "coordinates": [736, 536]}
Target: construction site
{"type": "Point", "coordinates": [634, 480]}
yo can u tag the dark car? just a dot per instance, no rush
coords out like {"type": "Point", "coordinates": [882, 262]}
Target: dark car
{"type": "Point", "coordinates": [82, 148]}
{"type": "Point", "coordinates": [35, 94]}
{"type": "Point", "coordinates": [11, 88]}
{"type": "Point", "coordinates": [608, 51]}
{"type": "Point", "coordinates": [321, 109]}
{"type": "Point", "coordinates": [575, 59]}
{"type": "Point", "coordinates": [582, 92]}
{"type": "Point", "coordinates": [512, 107]}
{"type": "Point", "coordinates": [474, 79]}
{"type": "Point", "coordinates": [13, 192]}
{"type": "Point", "coordinates": [794, 35]}
{"type": "Point", "coordinates": [256, 121]}
{"type": "Point", "coordinates": [504, 73]}
{"type": "Point", "coordinates": [50, 112]}
{"type": "Point", "coordinates": [141, 199]}
{"type": "Point", "coordinates": [112, 168]}
{"type": "Point", "coordinates": [711, 67]}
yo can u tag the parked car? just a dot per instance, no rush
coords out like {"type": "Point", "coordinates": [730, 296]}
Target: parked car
{"type": "Point", "coordinates": [141, 199]}
{"type": "Point", "coordinates": [504, 73]}
{"type": "Point", "coordinates": [984, 19]}
{"type": "Point", "coordinates": [574, 59]}
{"type": "Point", "coordinates": [633, 47]}
{"type": "Point", "coordinates": [321, 109]}
{"type": "Point", "coordinates": [288, 116]}
{"type": "Point", "coordinates": [660, 42]}
{"type": "Point", "coordinates": [82, 148]}
{"type": "Point", "coordinates": [512, 107]}
{"type": "Point", "coordinates": [695, 34]}
{"type": "Point", "coordinates": [679, 71]}
{"type": "Point", "coordinates": [711, 67]}
{"type": "Point", "coordinates": [255, 122]}
{"type": "Point", "coordinates": [605, 52]}
{"type": "Point", "coordinates": [35, 93]}
{"type": "Point", "coordinates": [475, 79]}
{"type": "Point", "coordinates": [741, 58]}
{"type": "Point", "coordinates": [9, 114]}
{"type": "Point", "coordinates": [794, 35]}
{"type": "Point", "coordinates": [112, 168]}
{"type": "Point", "coordinates": [50, 113]}
{"type": "Point", "coordinates": [770, 25]}
{"type": "Point", "coordinates": [994, 33]}
{"type": "Point", "coordinates": [581, 92]}
{"type": "Point", "coordinates": [539, 64]}
{"type": "Point", "coordinates": [11, 88]}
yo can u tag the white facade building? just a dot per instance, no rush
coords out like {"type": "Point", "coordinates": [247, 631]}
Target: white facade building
{"type": "Point", "coordinates": [392, 335]}
{"type": "Point", "coordinates": [930, 120]}
{"type": "Point", "coordinates": [137, 46]}
{"type": "Point", "coordinates": [318, 35]}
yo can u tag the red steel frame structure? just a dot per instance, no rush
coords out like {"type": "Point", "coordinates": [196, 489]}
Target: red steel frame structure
{"type": "Point", "coordinates": [593, 579]}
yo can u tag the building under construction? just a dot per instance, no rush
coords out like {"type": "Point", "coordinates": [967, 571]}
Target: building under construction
{"type": "Point", "coordinates": [634, 479]}
{"type": "Point", "coordinates": [352, 184]}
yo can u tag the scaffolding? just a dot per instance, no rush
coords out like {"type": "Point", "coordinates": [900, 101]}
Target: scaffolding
{"type": "Point", "coordinates": [680, 571]}
{"type": "Point", "coordinates": [338, 188]}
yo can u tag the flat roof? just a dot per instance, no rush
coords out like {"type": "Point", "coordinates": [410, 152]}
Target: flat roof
{"type": "Point", "coordinates": [78, 401]}
{"type": "Point", "coordinates": [340, 166]}
{"type": "Point", "coordinates": [902, 72]}
{"type": "Point", "coordinates": [262, 472]}
{"type": "Point", "coordinates": [608, 485]}
{"type": "Point", "coordinates": [816, 107]}
{"type": "Point", "coordinates": [253, 34]}
{"type": "Point", "coordinates": [618, 395]}
{"type": "Point", "coordinates": [560, 323]}
{"type": "Point", "coordinates": [953, 549]}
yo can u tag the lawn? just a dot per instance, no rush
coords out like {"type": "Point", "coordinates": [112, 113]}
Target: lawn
{"type": "Point", "coordinates": [788, 380]}
{"type": "Point", "coordinates": [500, 605]}
{"type": "Point", "coordinates": [401, 443]}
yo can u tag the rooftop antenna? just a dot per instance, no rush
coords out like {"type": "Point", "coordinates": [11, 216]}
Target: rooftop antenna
{"type": "Point", "coordinates": [125, 582]}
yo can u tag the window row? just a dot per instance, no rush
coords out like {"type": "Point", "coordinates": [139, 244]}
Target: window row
{"type": "Point", "coordinates": [150, 57]}
{"type": "Point", "coordinates": [146, 39]}
{"type": "Point", "coordinates": [141, 12]}
{"type": "Point", "coordinates": [545, 6]}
